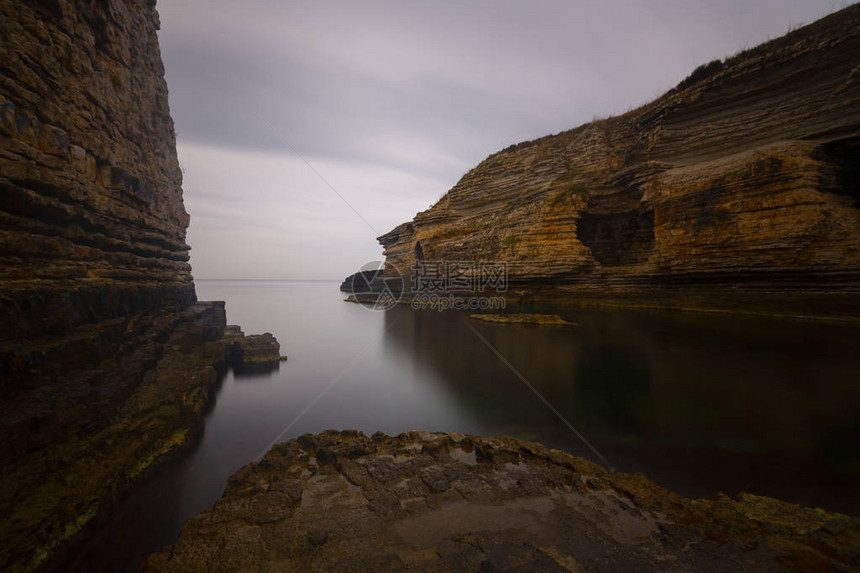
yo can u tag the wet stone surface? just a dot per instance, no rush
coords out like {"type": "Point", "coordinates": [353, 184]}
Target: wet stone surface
{"type": "Point", "coordinates": [340, 501]}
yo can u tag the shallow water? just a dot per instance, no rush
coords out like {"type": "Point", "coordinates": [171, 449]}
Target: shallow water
{"type": "Point", "coordinates": [700, 403]}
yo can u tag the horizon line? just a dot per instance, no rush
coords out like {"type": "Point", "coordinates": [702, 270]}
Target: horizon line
{"type": "Point", "coordinates": [259, 279]}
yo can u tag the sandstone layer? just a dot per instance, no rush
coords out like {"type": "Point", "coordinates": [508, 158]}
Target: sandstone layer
{"type": "Point", "coordinates": [739, 189]}
{"type": "Point", "coordinates": [92, 224]}
{"type": "Point", "coordinates": [339, 501]}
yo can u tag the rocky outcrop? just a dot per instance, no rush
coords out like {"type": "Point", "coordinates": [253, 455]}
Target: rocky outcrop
{"type": "Point", "coordinates": [92, 224]}
{"type": "Point", "coordinates": [359, 282]}
{"type": "Point", "coordinates": [738, 189]}
{"type": "Point", "coordinates": [340, 501]}
{"type": "Point", "coordinates": [255, 352]}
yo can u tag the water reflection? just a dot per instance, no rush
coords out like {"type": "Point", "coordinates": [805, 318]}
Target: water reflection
{"type": "Point", "coordinates": [614, 386]}
{"type": "Point", "coordinates": [702, 403]}
{"type": "Point", "coordinates": [699, 403]}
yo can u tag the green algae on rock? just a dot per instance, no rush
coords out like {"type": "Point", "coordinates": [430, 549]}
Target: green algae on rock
{"type": "Point", "coordinates": [88, 430]}
{"type": "Point", "coordinates": [91, 430]}
{"type": "Point", "coordinates": [524, 318]}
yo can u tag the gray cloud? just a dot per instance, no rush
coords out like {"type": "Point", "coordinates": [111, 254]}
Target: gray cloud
{"type": "Point", "coordinates": [410, 94]}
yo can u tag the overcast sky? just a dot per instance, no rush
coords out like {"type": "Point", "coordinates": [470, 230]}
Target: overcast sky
{"type": "Point", "coordinates": [390, 103]}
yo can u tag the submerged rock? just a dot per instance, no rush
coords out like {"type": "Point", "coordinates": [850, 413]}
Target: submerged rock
{"type": "Point", "coordinates": [537, 319]}
{"type": "Point", "coordinates": [340, 501]}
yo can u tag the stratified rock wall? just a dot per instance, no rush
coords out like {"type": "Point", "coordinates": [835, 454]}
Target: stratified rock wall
{"type": "Point", "coordinates": [92, 224]}
{"type": "Point", "coordinates": [738, 189]}
{"type": "Point", "coordinates": [106, 366]}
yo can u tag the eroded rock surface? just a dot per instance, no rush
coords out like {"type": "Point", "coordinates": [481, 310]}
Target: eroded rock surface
{"type": "Point", "coordinates": [339, 501]}
{"type": "Point", "coordinates": [737, 190]}
{"type": "Point", "coordinates": [92, 223]}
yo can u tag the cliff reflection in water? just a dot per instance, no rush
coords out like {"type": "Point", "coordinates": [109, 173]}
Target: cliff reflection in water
{"type": "Point", "coordinates": [701, 403]}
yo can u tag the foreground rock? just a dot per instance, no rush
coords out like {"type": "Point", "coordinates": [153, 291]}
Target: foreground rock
{"type": "Point", "coordinates": [340, 501]}
{"type": "Point", "coordinates": [737, 190]}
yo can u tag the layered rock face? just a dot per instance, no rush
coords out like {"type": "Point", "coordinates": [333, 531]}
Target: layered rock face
{"type": "Point", "coordinates": [107, 363]}
{"type": "Point", "coordinates": [340, 501]}
{"type": "Point", "coordinates": [738, 189]}
{"type": "Point", "coordinates": [93, 225]}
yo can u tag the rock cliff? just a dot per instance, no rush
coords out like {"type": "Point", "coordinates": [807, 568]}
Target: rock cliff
{"type": "Point", "coordinates": [88, 170]}
{"type": "Point", "coordinates": [107, 363]}
{"type": "Point", "coordinates": [738, 189]}
{"type": "Point", "coordinates": [339, 501]}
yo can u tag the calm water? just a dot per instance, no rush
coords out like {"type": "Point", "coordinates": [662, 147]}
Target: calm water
{"type": "Point", "coordinates": [700, 403]}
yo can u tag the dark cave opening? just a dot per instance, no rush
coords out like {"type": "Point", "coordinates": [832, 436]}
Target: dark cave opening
{"type": "Point", "coordinates": [617, 239]}
{"type": "Point", "coordinates": [844, 157]}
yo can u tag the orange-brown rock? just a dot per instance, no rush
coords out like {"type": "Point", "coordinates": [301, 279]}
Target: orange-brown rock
{"type": "Point", "coordinates": [738, 189]}
{"type": "Point", "coordinates": [92, 224]}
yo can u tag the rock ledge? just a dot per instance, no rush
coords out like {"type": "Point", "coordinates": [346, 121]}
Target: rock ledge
{"type": "Point", "coordinates": [340, 501]}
